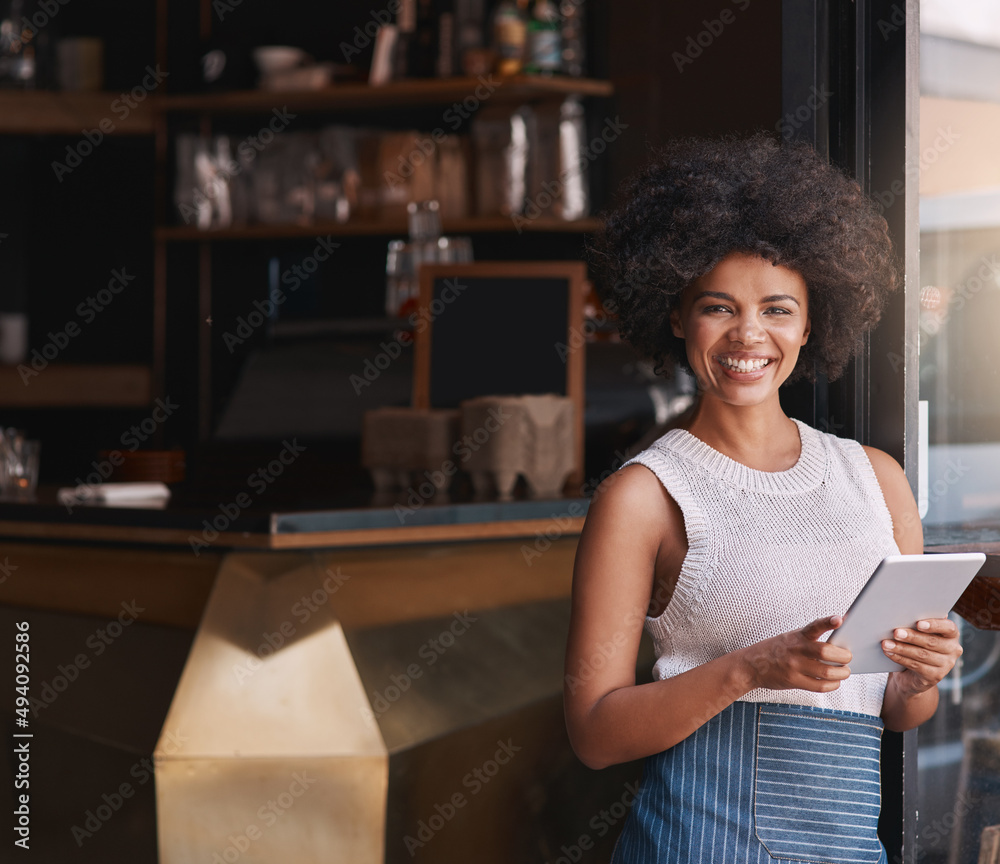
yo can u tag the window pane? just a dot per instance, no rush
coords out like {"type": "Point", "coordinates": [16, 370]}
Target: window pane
{"type": "Point", "coordinates": [959, 176]}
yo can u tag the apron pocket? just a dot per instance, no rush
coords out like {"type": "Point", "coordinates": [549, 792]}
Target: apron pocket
{"type": "Point", "coordinates": [817, 785]}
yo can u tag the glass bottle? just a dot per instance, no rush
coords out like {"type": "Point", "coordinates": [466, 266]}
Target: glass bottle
{"type": "Point", "coordinates": [510, 31]}
{"type": "Point", "coordinates": [544, 40]}
{"type": "Point", "coordinates": [404, 259]}
{"type": "Point", "coordinates": [573, 37]}
{"type": "Point", "coordinates": [17, 54]}
{"type": "Point", "coordinates": [424, 46]}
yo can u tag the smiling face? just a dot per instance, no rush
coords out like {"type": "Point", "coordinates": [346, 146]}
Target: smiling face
{"type": "Point", "coordinates": [743, 323]}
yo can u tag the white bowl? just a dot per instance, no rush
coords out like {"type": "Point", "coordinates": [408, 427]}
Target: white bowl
{"type": "Point", "coordinates": [278, 58]}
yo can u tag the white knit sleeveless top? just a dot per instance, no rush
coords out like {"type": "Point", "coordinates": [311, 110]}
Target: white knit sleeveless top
{"type": "Point", "coordinates": [768, 552]}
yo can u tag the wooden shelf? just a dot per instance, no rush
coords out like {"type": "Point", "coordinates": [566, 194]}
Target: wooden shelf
{"type": "Point", "coordinates": [51, 112]}
{"type": "Point", "coordinates": [338, 327]}
{"type": "Point", "coordinates": [76, 385]}
{"type": "Point", "coordinates": [433, 91]}
{"type": "Point", "coordinates": [470, 225]}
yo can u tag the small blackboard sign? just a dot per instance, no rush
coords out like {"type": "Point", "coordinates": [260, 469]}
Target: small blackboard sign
{"type": "Point", "coordinates": [500, 328]}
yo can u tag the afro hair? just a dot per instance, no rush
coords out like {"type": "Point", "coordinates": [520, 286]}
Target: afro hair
{"type": "Point", "coordinates": [701, 199]}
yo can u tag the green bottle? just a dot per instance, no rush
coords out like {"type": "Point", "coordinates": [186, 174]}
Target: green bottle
{"type": "Point", "coordinates": [544, 54]}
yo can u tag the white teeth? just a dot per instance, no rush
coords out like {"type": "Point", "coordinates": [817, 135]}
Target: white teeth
{"type": "Point", "coordinates": [743, 365]}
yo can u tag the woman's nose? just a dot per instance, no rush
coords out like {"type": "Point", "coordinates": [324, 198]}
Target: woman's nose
{"type": "Point", "coordinates": [746, 329]}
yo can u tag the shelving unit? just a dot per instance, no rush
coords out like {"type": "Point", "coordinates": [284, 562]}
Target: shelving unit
{"type": "Point", "coordinates": [470, 225]}
{"type": "Point", "coordinates": [77, 385]}
{"type": "Point", "coordinates": [434, 91]}
{"type": "Point", "coordinates": [71, 113]}
{"type": "Point", "coordinates": [51, 112]}
{"type": "Point", "coordinates": [355, 100]}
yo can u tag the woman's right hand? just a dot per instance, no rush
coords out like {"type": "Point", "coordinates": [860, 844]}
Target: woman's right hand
{"type": "Point", "coordinates": [799, 659]}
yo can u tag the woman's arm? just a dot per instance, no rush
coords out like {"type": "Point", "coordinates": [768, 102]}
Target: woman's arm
{"type": "Point", "coordinates": [929, 651]}
{"type": "Point", "coordinates": [609, 717]}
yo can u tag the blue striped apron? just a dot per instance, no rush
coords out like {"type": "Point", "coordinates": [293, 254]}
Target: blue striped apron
{"type": "Point", "coordinates": [762, 782]}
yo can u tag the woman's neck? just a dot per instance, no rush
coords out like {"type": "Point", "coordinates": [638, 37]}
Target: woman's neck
{"type": "Point", "coordinates": [758, 436]}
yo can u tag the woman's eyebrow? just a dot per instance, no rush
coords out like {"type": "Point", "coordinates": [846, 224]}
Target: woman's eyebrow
{"type": "Point", "coordinates": [721, 295]}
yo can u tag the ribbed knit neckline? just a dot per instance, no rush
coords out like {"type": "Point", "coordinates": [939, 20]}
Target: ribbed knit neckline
{"type": "Point", "coordinates": [807, 473]}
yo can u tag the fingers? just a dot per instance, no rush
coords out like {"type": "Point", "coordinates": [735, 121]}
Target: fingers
{"type": "Point", "coordinates": [822, 678]}
{"type": "Point", "coordinates": [937, 636]}
{"type": "Point", "coordinates": [824, 671]}
{"type": "Point", "coordinates": [930, 650]}
{"type": "Point", "coordinates": [942, 626]}
{"type": "Point", "coordinates": [827, 672]}
{"type": "Point", "coordinates": [822, 625]}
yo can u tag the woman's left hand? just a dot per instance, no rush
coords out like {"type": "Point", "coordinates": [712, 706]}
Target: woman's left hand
{"type": "Point", "coordinates": [927, 652]}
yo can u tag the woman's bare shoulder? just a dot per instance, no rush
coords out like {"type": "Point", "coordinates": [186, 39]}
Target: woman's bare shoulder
{"type": "Point", "coordinates": [895, 487]}
{"type": "Point", "coordinates": [633, 500]}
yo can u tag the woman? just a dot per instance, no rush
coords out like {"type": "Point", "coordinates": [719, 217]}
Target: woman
{"type": "Point", "coordinates": [739, 540]}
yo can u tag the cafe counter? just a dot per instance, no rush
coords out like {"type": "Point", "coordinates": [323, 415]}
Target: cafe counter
{"type": "Point", "coordinates": [363, 683]}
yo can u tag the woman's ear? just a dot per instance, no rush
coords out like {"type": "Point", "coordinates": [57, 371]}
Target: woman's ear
{"type": "Point", "coordinates": [675, 324]}
{"type": "Point", "coordinates": [805, 336]}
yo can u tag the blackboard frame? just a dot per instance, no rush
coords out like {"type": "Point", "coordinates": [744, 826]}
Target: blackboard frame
{"type": "Point", "coordinates": [568, 276]}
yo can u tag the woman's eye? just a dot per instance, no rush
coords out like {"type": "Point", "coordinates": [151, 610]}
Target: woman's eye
{"type": "Point", "coordinates": [778, 310]}
{"type": "Point", "coordinates": [716, 309]}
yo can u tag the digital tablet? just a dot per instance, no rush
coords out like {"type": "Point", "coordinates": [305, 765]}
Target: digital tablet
{"type": "Point", "coordinates": [903, 589]}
